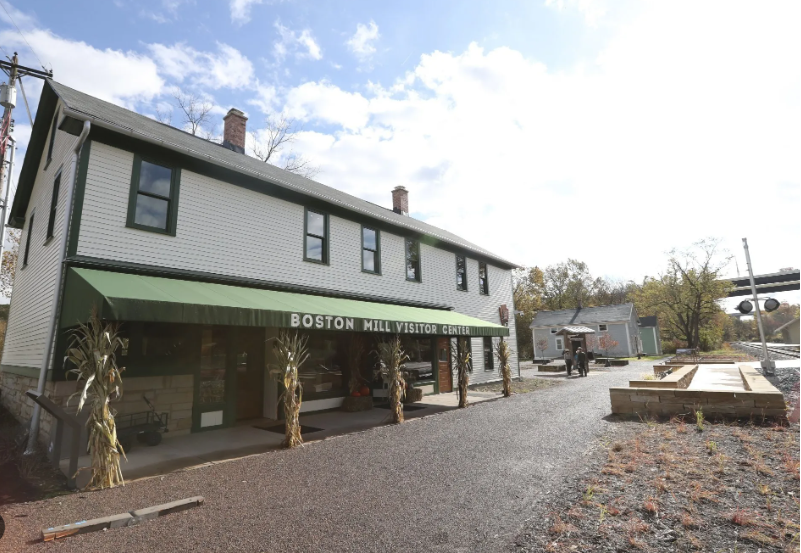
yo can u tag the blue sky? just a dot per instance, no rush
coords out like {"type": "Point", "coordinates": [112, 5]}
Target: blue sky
{"type": "Point", "coordinates": [643, 125]}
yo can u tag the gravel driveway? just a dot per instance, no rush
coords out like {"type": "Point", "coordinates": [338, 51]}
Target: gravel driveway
{"type": "Point", "coordinates": [463, 480]}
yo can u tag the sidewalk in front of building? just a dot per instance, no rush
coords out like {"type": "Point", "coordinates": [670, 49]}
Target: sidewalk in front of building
{"type": "Point", "coordinates": [250, 437]}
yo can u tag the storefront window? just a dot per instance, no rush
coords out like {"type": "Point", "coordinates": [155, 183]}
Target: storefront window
{"type": "Point", "coordinates": [212, 366]}
{"type": "Point", "coordinates": [418, 367]}
{"type": "Point", "coordinates": [321, 374]}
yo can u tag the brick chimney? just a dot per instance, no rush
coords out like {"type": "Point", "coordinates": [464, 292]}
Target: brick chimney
{"type": "Point", "coordinates": [400, 200]}
{"type": "Point", "coordinates": [235, 130]}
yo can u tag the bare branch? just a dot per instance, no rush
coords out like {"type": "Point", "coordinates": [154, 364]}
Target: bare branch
{"type": "Point", "coordinates": [196, 110]}
{"type": "Point", "coordinates": [281, 132]}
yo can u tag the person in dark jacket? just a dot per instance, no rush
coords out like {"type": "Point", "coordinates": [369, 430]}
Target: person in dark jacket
{"type": "Point", "coordinates": [582, 362]}
{"type": "Point", "coordinates": [568, 361]}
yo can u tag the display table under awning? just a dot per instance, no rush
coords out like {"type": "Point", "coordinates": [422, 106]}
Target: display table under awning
{"type": "Point", "coordinates": [128, 297]}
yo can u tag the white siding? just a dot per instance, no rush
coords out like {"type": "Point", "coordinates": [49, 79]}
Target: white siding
{"type": "Point", "coordinates": [229, 230]}
{"type": "Point", "coordinates": [34, 286]}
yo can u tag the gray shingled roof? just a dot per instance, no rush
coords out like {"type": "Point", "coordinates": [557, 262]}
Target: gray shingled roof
{"type": "Point", "coordinates": [215, 153]}
{"type": "Point", "coordinates": [585, 316]}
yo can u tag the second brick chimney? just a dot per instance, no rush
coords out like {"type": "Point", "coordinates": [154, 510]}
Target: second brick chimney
{"type": "Point", "coordinates": [400, 200]}
{"type": "Point", "coordinates": [235, 130]}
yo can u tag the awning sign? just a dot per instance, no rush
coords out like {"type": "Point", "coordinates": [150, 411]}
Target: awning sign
{"type": "Point", "coordinates": [329, 322]}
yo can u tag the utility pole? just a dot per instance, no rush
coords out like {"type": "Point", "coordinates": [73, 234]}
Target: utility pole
{"type": "Point", "coordinates": [767, 364]}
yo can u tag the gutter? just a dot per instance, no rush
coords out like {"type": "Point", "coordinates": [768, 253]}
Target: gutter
{"type": "Point", "coordinates": [104, 124]}
{"type": "Point", "coordinates": [33, 433]}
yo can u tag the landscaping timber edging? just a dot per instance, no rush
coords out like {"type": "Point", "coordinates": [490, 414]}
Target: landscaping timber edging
{"type": "Point", "coordinates": [121, 520]}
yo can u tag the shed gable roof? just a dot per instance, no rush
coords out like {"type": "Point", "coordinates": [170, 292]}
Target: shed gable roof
{"type": "Point", "coordinates": [583, 316]}
{"type": "Point", "coordinates": [128, 121]}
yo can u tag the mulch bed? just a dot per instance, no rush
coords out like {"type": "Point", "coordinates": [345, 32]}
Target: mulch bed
{"type": "Point", "coordinates": [734, 486]}
{"type": "Point", "coordinates": [24, 477]}
{"type": "Point", "coordinates": [523, 386]}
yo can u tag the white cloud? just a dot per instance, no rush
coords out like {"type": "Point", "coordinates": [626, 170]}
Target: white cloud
{"type": "Point", "coordinates": [114, 75]}
{"type": "Point", "coordinates": [658, 143]}
{"type": "Point", "coordinates": [265, 99]}
{"type": "Point", "coordinates": [592, 10]}
{"type": "Point", "coordinates": [362, 42]}
{"type": "Point", "coordinates": [240, 10]}
{"type": "Point", "coordinates": [302, 44]}
{"type": "Point", "coordinates": [226, 68]}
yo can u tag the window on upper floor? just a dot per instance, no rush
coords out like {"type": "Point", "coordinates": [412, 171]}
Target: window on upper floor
{"type": "Point", "coordinates": [413, 260]}
{"type": "Point", "coordinates": [52, 137]}
{"type": "Point", "coordinates": [28, 241]}
{"type": "Point", "coordinates": [489, 364]}
{"type": "Point", "coordinates": [51, 223]}
{"type": "Point", "coordinates": [603, 328]}
{"type": "Point", "coordinates": [483, 280]}
{"type": "Point", "coordinates": [461, 273]}
{"type": "Point", "coordinates": [153, 203]}
{"type": "Point", "coordinates": [371, 251]}
{"type": "Point", "coordinates": [316, 237]}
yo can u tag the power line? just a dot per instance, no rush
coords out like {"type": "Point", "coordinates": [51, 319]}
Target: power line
{"type": "Point", "coordinates": [3, 4]}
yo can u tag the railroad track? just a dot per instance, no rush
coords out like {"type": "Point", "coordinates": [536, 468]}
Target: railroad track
{"type": "Point", "coordinates": [774, 352]}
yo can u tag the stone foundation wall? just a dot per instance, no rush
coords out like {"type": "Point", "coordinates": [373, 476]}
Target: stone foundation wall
{"type": "Point", "coordinates": [171, 394]}
{"type": "Point", "coordinates": [679, 378]}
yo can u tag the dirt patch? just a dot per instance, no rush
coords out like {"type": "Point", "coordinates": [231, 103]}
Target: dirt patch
{"type": "Point", "coordinates": [672, 487]}
{"type": "Point", "coordinates": [24, 477]}
{"type": "Point", "coordinates": [523, 386]}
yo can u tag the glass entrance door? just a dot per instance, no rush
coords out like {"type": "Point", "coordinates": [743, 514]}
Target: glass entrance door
{"type": "Point", "coordinates": [212, 387]}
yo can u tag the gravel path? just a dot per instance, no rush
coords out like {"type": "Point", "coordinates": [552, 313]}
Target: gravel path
{"type": "Point", "coordinates": [463, 480]}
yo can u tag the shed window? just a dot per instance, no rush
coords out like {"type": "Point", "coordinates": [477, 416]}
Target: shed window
{"type": "Point", "coordinates": [316, 248]}
{"type": "Point", "coordinates": [412, 260]}
{"type": "Point", "coordinates": [483, 281]}
{"type": "Point", "coordinates": [51, 223]}
{"type": "Point", "coordinates": [461, 273]}
{"type": "Point", "coordinates": [154, 197]}
{"type": "Point", "coordinates": [371, 251]}
{"type": "Point", "coordinates": [28, 242]}
{"type": "Point", "coordinates": [488, 356]}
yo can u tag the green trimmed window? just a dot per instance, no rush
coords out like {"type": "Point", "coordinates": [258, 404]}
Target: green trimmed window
{"type": "Point", "coordinates": [483, 280]}
{"type": "Point", "coordinates": [28, 241]}
{"type": "Point", "coordinates": [153, 204]}
{"type": "Point", "coordinates": [413, 260]}
{"type": "Point", "coordinates": [461, 273]}
{"type": "Point", "coordinates": [316, 233]}
{"type": "Point", "coordinates": [51, 223]}
{"type": "Point", "coordinates": [371, 251]}
{"type": "Point", "coordinates": [52, 137]}
{"type": "Point", "coordinates": [489, 364]}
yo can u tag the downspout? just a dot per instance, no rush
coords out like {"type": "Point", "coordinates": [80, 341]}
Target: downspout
{"type": "Point", "coordinates": [33, 432]}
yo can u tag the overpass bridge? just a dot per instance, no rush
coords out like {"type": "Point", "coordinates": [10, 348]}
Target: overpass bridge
{"type": "Point", "coordinates": [784, 281]}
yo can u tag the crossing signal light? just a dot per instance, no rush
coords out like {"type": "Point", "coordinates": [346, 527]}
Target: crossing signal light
{"type": "Point", "coordinates": [745, 307]}
{"type": "Point", "coordinates": [771, 305]}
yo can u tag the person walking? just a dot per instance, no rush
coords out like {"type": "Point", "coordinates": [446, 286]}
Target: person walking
{"type": "Point", "coordinates": [582, 362]}
{"type": "Point", "coordinates": [568, 361]}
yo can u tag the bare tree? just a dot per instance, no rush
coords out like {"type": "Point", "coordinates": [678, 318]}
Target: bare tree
{"type": "Point", "coordinates": [164, 116]}
{"type": "Point", "coordinates": [9, 262]}
{"type": "Point", "coordinates": [197, 111]}
{"type": "Point", "coordinates": [282, 132]}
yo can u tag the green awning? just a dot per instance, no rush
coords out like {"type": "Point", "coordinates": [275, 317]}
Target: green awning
{"type": "Point", "coordinates": [125, 297]}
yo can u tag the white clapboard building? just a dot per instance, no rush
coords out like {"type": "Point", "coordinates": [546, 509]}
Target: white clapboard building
{"type": "Point", "coordinates": [203, 254]}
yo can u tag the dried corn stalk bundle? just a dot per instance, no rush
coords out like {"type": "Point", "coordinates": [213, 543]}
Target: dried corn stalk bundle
{"type": "Point", "coordinates": [92, 351]}
{"type": "Point", "coordinates": [464, 366]}
{"type": "Point", "coordinates": [391, 358]}
{"type": "Point", "coordinates": [290, 352]}
{"type": "Point", "coordinates": [504, 353]}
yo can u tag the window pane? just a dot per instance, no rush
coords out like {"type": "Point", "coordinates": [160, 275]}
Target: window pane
{"type": "Point", "coordinates": [151, 212]}
{"type": "Point", "coordinates": [368, 258]}
{"type": "Point", "coordinates": [411, 270]}
{"type": "Point", "coordinates": [488, 366]}
{"type": "Point", "coordinates": [155, 179]}
{"type": "Point", "coordinates": [212, 367]}
{"type": "Point", "coordinates": [315, 223]}
{"type": "Point", "coordinates": [369, 241]}
{"type": "Point", "coordinates": [461, 282]}
{"type": "Point", "coordinates": [314, 248]}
